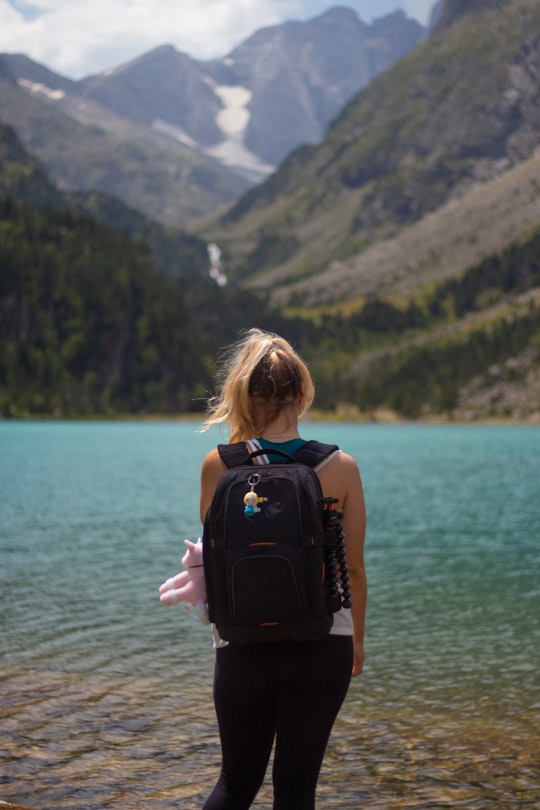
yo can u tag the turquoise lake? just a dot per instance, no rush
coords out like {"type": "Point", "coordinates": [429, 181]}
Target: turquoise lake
{"type": "Point", "coordinates": [105, 694]}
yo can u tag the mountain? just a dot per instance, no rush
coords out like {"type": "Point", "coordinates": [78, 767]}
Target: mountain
{"type": "Point", "coordinates": [400, 256]}
{"type": "Point", "coordinates": [162, 88]}
{"type": "Point", "coordinates": [435, 15]}
{"type": "Point", "coordinates": [31, 74]}
{"type": "Point", "coordinates": [451, 12]}
{"type": "Point", "coordinates": [296, 77]}
{"type": "Point", "coordinates": [245, 112]}
{"type": "Point", "coordinates": [85, 147]}
{"type": "Point", "coordinates": [21, 176]}
{"type": "Point", "coordinates": [461, 109]}
{"type": "Point", "coordinates": [98, 319]}
{"type": "Point", "coordinates": [101, 320]}
{"type": "Point", "coordinates": [175, 253]}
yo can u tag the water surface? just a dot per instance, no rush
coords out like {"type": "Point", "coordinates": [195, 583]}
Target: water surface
{"type": "Point", "coordinates": [106, 695]}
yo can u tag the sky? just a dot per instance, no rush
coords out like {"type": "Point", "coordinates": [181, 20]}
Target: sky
{"type": "Point", "coordinates": [77, 38]}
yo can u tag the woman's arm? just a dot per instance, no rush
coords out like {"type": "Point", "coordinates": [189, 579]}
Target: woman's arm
{"type": "Point", "coordinates": [211, 471]}
{"type": "Point", "coordinates": [341, 479]}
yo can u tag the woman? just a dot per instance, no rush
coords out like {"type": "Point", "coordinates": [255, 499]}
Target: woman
{"type": "Point", "coordinates": [287, 691]}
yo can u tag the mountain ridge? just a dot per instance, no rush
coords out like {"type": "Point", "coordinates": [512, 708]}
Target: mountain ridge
{"type": "Point", "coordinates": [279, 88]}
{"type": "Point", "coordinates": [457, 9]}
{"type": "Point", "coordinates": [91, 149]}
{"type": "Point", "coordinates": [460, 109]}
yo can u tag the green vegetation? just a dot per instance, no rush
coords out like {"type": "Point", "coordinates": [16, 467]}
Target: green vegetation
{"type": "Point", "coordinates": [422, 354]}
{"type": "Point", "coordinates": [101, 320]}
{"type": "Point", "coordinates": [89, 325]}
{"type": "Point", "coordinates": [434, 374]}
{"type": "Point", "coordinates": [86, 324]}
{"type": "Point", "coordinates": [271, 249]}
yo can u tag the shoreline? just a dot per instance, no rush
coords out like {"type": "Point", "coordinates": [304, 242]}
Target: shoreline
{"type": "Point", "coordinates": [337, 417]}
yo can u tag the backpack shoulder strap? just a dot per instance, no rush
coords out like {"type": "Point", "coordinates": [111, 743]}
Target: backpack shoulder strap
{"type": "Point", "coordinates": [315, 454]}
{"type": "Point", "coordinates": [234, 454]}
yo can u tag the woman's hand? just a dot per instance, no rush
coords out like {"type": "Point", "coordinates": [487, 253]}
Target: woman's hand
{"type": "Point", "coordinates": [358, 661]}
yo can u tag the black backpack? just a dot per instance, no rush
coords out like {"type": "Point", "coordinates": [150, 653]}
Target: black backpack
{"type": "Point", "coordinates": [270, 558]}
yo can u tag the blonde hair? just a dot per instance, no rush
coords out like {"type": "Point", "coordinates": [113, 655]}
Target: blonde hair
{"type": "Point", "coordinates": [257, 377]}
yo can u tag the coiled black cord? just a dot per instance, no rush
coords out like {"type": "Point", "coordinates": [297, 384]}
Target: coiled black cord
{"type": "Point", "coordinates": [339, 590]}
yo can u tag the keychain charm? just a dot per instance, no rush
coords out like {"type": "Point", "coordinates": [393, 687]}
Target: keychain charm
{"type": "Point", "coordinates": [251, 499]}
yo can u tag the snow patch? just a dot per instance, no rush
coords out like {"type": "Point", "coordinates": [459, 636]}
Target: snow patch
{"type": "Point", "coordinates": [36, 88]}
{"type": "Point", "coordinates": [236, 156]}
{"type": "Point", "coordinates": [233, 119]}
{"type": "Point", "coordinates": [174, 132]}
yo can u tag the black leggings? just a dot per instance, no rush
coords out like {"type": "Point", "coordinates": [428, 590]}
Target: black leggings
{"type": "Point", "coordinates": [290, 691]}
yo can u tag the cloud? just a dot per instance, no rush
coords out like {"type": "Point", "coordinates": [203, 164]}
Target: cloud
{"type": "Point", "coordinates": [78, 38]}
{"type": "Point", "coordinates": [27, 10]}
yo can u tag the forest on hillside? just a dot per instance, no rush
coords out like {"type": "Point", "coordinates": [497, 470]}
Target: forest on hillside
{"type": "Point", "coordinates": [89, 325]}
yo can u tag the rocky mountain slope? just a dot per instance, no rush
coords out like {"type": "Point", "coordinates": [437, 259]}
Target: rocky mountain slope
{"type": "Point", "coordinates": [297, 76]}
{"type": "Point", "coordinates": [203, 130]}
{"type": "Point", "coordinates": [87, 148]}
{"type": "Point", "coordinates": [461, 233]}
{"type": "Point", "coordinates": [461, 109]}
{"type": "Point", "coordinates": [177, 254]}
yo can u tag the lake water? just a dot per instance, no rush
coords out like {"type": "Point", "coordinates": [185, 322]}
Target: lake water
{"type": "Point", "coordinates": [105, 694]}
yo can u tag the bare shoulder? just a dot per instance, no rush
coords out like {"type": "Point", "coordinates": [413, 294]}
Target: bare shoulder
{"type": "Point", "coordinates": [211, 459]}
{"type": "Point", "coordinates": [346, 461]}
{"type": "Point", "coordinates": [342, 464]}
{"type": "Point", "coordinates": [340, 476]}
{"type": "Point", "coordinates": [211, 471]}
{"type": "Point", "coordinates": [212, 468]}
